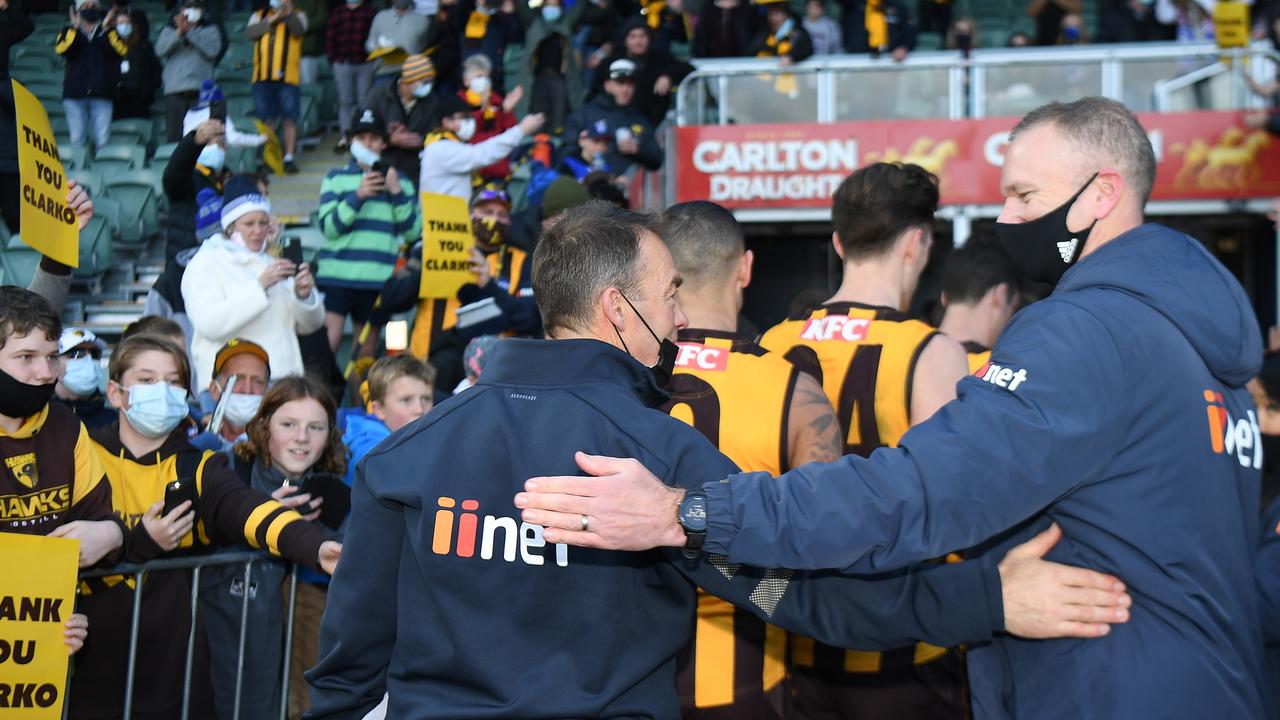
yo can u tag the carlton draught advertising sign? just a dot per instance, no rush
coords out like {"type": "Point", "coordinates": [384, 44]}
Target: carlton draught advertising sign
{"type": "Point", "coordinates": [1204, 155]}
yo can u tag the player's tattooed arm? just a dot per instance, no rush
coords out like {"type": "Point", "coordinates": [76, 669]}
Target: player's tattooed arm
{"type": "Point", "coordinates": [813, 432]}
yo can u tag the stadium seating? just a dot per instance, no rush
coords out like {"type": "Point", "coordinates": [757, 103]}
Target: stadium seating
{"type": "Point", "coordinates": [20, 262]}
{"type": "Point", "coordinates": [112, 159]}
{"type": "Point", "coordinates": [136, 192]}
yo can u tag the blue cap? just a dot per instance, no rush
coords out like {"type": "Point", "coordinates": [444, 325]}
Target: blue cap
{"type": "Point", "coordinates": [209, 94]}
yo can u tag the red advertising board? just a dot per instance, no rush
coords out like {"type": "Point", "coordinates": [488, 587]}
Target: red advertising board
{"type": "Point", "coordinates": [1201, 155]}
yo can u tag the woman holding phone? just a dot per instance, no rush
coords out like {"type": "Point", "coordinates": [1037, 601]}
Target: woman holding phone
{"type": "Point", "coordinates": [235, 287]}
{"type": "Point", "coordinates": [293, 452]}
{"type": "Point", "coordinates": [147, 460]}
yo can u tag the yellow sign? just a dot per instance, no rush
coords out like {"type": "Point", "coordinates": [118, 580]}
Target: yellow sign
{"type": "Point", "coordinates": [48, 223]}
{"type": "Point", "coordinates": [37, 596]}
{"type": "Point", "coordinates": [272, 153]}
{"type": "Point", "coordinates": [446, 246]}
{"type": "Point", "coordinates": [1231, 23]}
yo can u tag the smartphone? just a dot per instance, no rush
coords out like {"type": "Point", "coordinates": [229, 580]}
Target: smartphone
{"type": "Point", "coordinates": [303, 489]}
{"type": "Point", "coordinates": [218, 110]}
{"type": "Point", "coordinates": [291, 250]}
{"type": "Point", "coordinates": [178, 492]}
{"type": "Point", "coordinates": [381, 168]}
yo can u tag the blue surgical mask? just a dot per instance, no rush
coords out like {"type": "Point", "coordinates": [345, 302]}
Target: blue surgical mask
{"type": "Point", "coordinates": [363, 155]}
{"type": "Point", "coordinates": [82, 376]}
{"type": "Point", "coordinates": [423, 90]}
{"type": "Point", "coordinates": [786, 29]}
{"type": "Point", "coordinates": [551, 13]}
{"type": "Point", "coordinates": [156, 409]}
{"type": "Point", "coordinates": [124, 31]}
{"type": "Point", "coordinates": [212, 157]}
{"type": "Point", "coordinates": [274, 4]}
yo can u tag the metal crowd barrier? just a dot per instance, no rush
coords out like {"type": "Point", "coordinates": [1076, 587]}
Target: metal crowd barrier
{"type": "Point", "coordinates": [196, 564]}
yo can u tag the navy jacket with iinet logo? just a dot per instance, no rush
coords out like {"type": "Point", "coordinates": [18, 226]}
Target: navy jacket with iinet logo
{"type": "Point", "coordinates": [444, 599]}
{"type": "Point", "coordinates": [1114, 408]}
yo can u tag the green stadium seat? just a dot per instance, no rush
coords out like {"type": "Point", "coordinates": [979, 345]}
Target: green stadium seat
{"type": "Point", "coordinates": [90, 180]}
{"type": "Point", "coordinates": [20, 262]}
{"type": "Point", "coordinates": [113, 159]}
{"type": "Point", "coordinates": [108, 209]}
{"type": "Point", "coordinates": [74, 157]}
{"type": "Point", "coordinates": [141, 127]}
{"type": "Point", "coordinates": [96, 252]}
{"type": "Point", "coordinates": [139, 200]}
{"type": "Point", "coordinates": [242, 159]}
{"type": "Point", "coordinates": [160, 158]}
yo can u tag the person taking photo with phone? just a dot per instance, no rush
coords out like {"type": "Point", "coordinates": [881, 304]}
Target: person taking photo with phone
{"type": "Point", "coordinates": [234, 287]}
{"type": "Point", "coordinates": [367, 210]}
{"type": "Point", "coordinates": [175, 500]}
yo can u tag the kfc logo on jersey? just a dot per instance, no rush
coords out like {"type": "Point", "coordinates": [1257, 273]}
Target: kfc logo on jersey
{"type": "Point", "coordinates": [836, 327]}
{"type": "Point", "coordinates": [1001, 376]}
{"type": "Point", "coordinates": [1228, 436]}
{"type": "Point", "coordinates": [693, 356]}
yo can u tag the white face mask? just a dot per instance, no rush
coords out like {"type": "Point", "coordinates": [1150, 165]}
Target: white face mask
{"type": "Point", "coordinates": [480, 84]}
{"type": "Point", "coordinates": [193, 14]}
{"type": "Point", "coordinates": [156, 409]}
{"type": "Point", "coordinates": [82, 376]}
{"type": "Point", "coordinates": [212, 157]}
{"type": "Point", "coordinates": [238, 238]}
{"type": "Point", "coordinates": [124, 31]}
{"type": "Point", "coordinates": [363, 155]}
{"type": "Point", "coordinates": [422, 90]}
{"type": "Point", "coordinates": [467, 130]}
{"type": "Point", "coordinates": [241, 408]}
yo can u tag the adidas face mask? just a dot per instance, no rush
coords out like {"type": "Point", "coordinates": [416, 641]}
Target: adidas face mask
{"type": "Point", "coordinates": [1045, 248]}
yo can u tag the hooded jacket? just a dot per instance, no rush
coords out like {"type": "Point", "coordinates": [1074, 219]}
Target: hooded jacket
{"type": "Point", "coordinates": [604, 107]}
{"type": "Point", "coordinates": [489, 621]}
{"type": "Point", "coordinates": [92, 63]}
{"type": "Point", "coordinates": [1269, 573]}
{"type": "Point", "coordinates": [1114, 408]}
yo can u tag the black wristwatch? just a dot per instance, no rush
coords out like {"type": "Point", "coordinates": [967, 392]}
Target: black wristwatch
{"type": "Point", "coordinates": [693, 518]}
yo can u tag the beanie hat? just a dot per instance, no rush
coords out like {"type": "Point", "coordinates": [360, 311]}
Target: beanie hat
{"type": "Point", "coordinates": [208, 213]}
{"type": "Point", "coordinates": [417, 67]}
{"type": "Point", "coordinates": [563, 194]}
{"type": "Point", "coordinates": [209, 94]}
{"type": "Point", "coordinates": [241, 197]}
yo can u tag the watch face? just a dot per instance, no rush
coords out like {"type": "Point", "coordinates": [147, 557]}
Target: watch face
{"type": "Point", "coordinates": [693, 513]}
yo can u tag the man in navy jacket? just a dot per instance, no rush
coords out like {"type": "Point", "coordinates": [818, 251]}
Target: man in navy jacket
{"type": "Point", "coordinates": [1115, 408]}
{"type": "Point", "coordinates": [448, 602]}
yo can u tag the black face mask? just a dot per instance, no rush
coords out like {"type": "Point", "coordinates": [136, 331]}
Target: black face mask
{"type": "Point", "coordinates": [20, 400]}
{"type": "Point", "coordinates": [667, 351]}
{"type": "Point", "coordinates": [1045, 248]}
{"type": "Point", "coordinates": [91, 14]}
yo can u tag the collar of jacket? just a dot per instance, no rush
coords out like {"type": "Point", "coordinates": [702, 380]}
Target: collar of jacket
{"type": "Point", "coordinates": [108, 436]}
{"type": "Point", "coordinates": [31, 426]}
{"type": "Point", "coordinates": [570, 363]}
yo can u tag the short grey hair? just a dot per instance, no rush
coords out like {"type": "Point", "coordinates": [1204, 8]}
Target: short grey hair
{"type": "Point", "coordinates": [591, 247]}
{"type": "Point", "coordinates": [1103, 130]}
{"type": "Point", "coordinates": [477, 63]}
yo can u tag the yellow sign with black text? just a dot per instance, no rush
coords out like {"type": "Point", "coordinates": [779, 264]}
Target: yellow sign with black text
{"type": "Point", "coordinates": [48, 223]}
{"type": "Point", "coordinates": [37, 597]}
{"type": "Point", "coordinates": [447, 243]}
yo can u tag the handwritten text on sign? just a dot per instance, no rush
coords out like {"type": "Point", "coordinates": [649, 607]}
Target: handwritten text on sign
{"type": "Point", "coordinates": [37, 592]}
{"type": "Point", "coordinates": [48, 224]}
{"type": "Point", "coordinates": [446, 246]}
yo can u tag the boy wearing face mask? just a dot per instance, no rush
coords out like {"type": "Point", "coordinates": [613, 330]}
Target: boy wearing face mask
{"type": "Point", "coordinates": [249, 364]}
{"type": "Point", "coordinates": [366, 211]}
{"type": "Point", "coordinates": [79, 388]}
{"type": "Point", "coordinates": [142, 453]}
{"type": "Point", "coordinates": [450, 163]}
{"type": "Point", "coordinates": [44, 449]}
{"type": "Point", "coordinates": [407, 105]}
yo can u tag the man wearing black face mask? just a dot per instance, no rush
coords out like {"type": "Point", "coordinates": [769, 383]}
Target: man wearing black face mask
{"type": "Point", "coordinates": [1115, 409]}
{"type": "Point", "coordinates": [432, 542]}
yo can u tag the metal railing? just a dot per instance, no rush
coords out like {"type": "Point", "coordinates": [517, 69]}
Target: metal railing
{"type": "Point", "coordinates": [944, 85]}
{"type": "Point", "coordinates": [139, 573]}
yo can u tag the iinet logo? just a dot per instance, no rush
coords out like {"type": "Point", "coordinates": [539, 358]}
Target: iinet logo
{"type": "Point", "coordinates": [693, 356]}
{"type": "Point", "coordinates": [836, 327]}
{"type": "Point", "coordinates": [527, 536]}
{"type": "Point", "coordinates": [1227, 436]}
{"type": "Point", "coordinates": [1001, 376]}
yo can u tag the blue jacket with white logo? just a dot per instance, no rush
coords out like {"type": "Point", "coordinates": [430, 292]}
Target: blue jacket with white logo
{"type": "Point", "coordinates": [1114, 408]}
{"type": "Point", "coordinates": [447, 601]}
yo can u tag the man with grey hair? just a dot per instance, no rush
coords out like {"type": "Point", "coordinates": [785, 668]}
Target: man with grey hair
{"type": "Point", "coordinates": [447, 602]}
{"type": "Point", "coordinates": [1115, 410]}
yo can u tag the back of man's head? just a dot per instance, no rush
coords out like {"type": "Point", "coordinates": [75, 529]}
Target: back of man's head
{"type": "Point", "coordinates": [977, 267]}
{"type": "Point", "coordinates": [1102, 133]}
{"type": "Point", "coordinates": [875, 205]}
{"type": "Point", "coordinates": [705, 241]}
{"type": "Point", "coordinates": [23, 312]}
{"type": "Point", "coordinates": [591, 247]}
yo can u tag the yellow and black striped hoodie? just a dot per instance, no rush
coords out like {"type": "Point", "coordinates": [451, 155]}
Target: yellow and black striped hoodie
{"type": "Point", "coordinates": [228, 513]}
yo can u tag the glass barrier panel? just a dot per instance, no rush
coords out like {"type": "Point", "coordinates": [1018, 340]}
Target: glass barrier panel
{"type": "Point", "coordinates": [1016, 89]}
{"type": "Point", "coordinates": [891, 94]}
